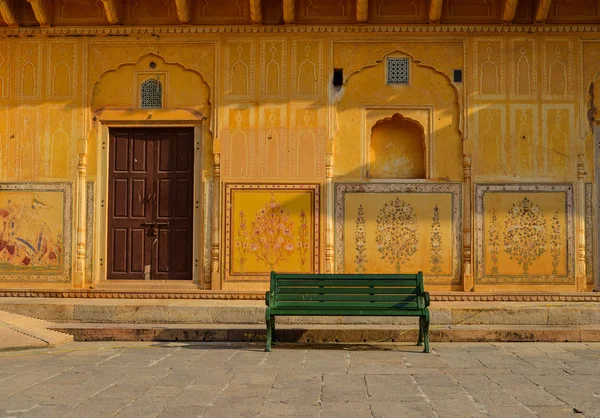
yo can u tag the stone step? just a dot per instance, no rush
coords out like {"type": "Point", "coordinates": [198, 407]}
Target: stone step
{"type": "Point", "coordinates": [327, 333]}
{"type": "Point", "coordinates": [173, 311]}
{"type": "Point", "coordinates": [18, 332]}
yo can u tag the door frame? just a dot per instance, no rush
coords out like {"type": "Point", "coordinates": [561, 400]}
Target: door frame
{"type": "Point", "coordinates": [596, 206]}
{"type": "Point", "coordinates": [101, 207]}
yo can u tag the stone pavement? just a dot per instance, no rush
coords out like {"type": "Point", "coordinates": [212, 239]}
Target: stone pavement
{"type": "Point", "coordinates": [231, 380]}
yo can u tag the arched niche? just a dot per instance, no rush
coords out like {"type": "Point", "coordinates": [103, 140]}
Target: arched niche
{"type": "Point", "coordinates": [397, 149]}
{"type": "Point", "coordinates": [430, 99]}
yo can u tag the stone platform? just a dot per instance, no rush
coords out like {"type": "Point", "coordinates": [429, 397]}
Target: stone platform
{"type": "Point", "coordinates": [239, 320]}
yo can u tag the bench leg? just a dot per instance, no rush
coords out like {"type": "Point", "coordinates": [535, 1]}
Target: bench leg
{"type": "Point", "coordinates": [426, 331]}
{"type": "Point", "coordinates": [273, 334]}
{"type": "Point", "coordinates": [420, 342]}
{"type": "Point", "coordinates": [269, 322]}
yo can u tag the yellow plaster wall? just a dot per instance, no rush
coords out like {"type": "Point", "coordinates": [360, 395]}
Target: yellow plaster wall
{"type": "Point", "coordinates": [521, 111]}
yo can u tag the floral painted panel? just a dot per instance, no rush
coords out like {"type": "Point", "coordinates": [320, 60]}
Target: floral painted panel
{"type": "Point", "coordinates": [399, 228]}
{"type": "Point", "coordinates": [35, 232]}
{"type": "Point", "coordinates": [524, 233]}
{"type": "Point", "coordinates": [271, 227]}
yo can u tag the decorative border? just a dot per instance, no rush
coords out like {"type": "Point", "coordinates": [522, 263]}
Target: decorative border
{"type": "Point", "coordinates": [567, 189]}
{"type": "Point", "coordinates": [208, 210]}
{"type": "Point", "coordinates": [127, 30]}
{"type": "Point", "coordinates": [65, 188]}
{"type": "Point", "coordinates": [589, 233]}
{"type": "Point", "coordinates": [229, 187]}
{"type": "Point", "coordinates": [455, 189]}
{"type": "Point", "coordinates": [89, 233]}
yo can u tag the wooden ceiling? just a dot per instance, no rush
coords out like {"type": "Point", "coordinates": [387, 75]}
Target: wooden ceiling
{"type": "Point", "coordinates": [278, 12]}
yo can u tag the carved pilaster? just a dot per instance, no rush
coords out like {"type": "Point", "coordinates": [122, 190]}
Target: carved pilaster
{"type": "Point", "coordinates": [256, 14]}
{"type": "Point", "coordinates": [580, 223]}
{"type": "Point", "coordinates": [111, 8]}
{"type": "Point", "coordinates": [289, 11]}
{"type": "Point", "coordinates": [541, 13]}
{"type": "Point", "coordinates": [509, 11]}
{"type": "Point", "coordinates": [362, 11]}
{"type": "Point", "coordinates": [183, 10]}
{"type": "Point", "coordinates": [215, 252]}
{"type": "Point", "coordinates": [79, 276]}
{"type": "Point", "coordinates": [435, 11]}
{"type": "Point", "coordinates": [468, 284]}
{"type": "Point", "coordinates": [7, 10]}
{"type": "Point", "coordinates": [41, 9]}
{"type": "Point", "coordinates": [329, 237]}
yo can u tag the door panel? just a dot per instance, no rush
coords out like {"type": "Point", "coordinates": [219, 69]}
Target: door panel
{"type": "Point", "coordinates": [150, 204]}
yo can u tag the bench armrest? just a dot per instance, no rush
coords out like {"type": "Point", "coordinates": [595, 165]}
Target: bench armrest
{"type": "Point", "coordinates": [427, 299]}
{"type": "Point", "coordinates": [268, 298]}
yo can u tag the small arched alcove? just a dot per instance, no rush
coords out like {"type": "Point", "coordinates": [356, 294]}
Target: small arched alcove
{"type": "Point", "coordinates": [397, 149]}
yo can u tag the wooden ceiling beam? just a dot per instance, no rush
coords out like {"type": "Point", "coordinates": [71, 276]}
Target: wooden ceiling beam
{"type": "Point", "coordinates": [289, 11]}
{"type": "Point", "coordinates": [41, 9]}
{"type": "Point", "coordinates": [7, 10]}
{"type": "Point", "coordinates": [256, 11]}
{"type": "Point", "coordinates": [362, 11]}
{"type": "Point", "coordinates": [510, 10]}
{"type": "Point", "coordinates": [184, 10]}
{"type": "Point", "coordinates": [111, 8]}
{"type": "Point", "coordinates": [541, 13]}
{"type": "Point", "coordinates": [435, 11]}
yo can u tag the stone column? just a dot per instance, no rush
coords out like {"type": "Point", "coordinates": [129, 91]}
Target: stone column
{"type": "Point", "coordinates": [468, 284]}
{"type": "Point", "coordinates": [329, 213]}
{"type": "Point", "coordinates": [216, 226]}
{"type": "Point", "coordinates": [79, 274]}
{"type": "Point", "coordinates": [580, 224]}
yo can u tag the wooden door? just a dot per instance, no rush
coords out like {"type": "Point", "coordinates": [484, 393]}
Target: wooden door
{"type": "Point", "coordinates": [150, 203]}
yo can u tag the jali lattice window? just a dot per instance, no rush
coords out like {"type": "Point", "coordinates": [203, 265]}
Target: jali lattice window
{"type": "Point", "coordinates": [151, 94]}
{"type": "Point", "coordinates": [397, 71]}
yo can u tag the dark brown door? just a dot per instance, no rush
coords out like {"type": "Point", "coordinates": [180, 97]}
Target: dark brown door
{"type": "Point", "coordinates": [150, 204]}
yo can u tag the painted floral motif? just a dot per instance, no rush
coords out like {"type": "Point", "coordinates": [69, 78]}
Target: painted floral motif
{"type": "Point", "coordinates": [436, 242]}
{"type": "Point", "coordinates": [241, 244]}
{"type": "Point", "coordinates": [555, 242]}
{"type": "Point", "coordinates": [272, 239]}
{"type": "Point", "coordinates": [303, 244]}
{"type": "Point", "coordinates": [26, 239]}
{"type": "Point", "coordinates": [397, 233]}
{"type": "Point", "coordinates": [360, 239]}
{"type": "Point", "coordinates": [494, 242]}
{"type": "Point", "coordinates": [525, 233]}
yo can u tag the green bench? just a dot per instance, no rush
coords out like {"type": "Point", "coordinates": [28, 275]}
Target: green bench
{"type": "Point", "coordinates": [348, 295]}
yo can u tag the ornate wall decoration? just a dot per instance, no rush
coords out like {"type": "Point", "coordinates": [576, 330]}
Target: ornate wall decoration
{"type": "Point", "coordinates": [6, 147]}
{"type": "Point", "coordinates": [490, 128]}
{"type": "Point", "coordinates": [29, 54]}
{"type": "Point", "coordinates": [388, 11]}
{"type": "Point", "coordinates": [223, 12]}
{"type": "Point", "coordinates": [590, 248]}
{"type": "Point", "coordinates": [307, 68]}
{"type": "Point", "coordinates": [25, 153]}
{"type": "Point", "coordinates": [239, 69]}
{"type": "Point", "coordinates": [150, 12]}
{"type": "Point", "coordinates": [271, 227]}
{"type": "Point", "coordinates": [486, 11]}
{"type": "Point", "coordinates": [273, 74]}
{"type": "Point", "coordinates": [61, 72]}
{"type": "Point", "coordinates": [557, 134]}
{"type": "Point", "coordinates": [35, 245]}
{"type": "Point", "coordinates": [89, 231]}
{"type": "Point", "coordinates": [325, 11]}
{"type": "Point", "coordinates": [5, 68]}
{"type": "Point", "coordinates": [525, 151]}
{"type": "Point", "coordinates": [534, 226]}
{"type": "Point", "coordinates": [238, 139]}
{"type": "Point", "coordinates": [58, 141]}
{"type": "Point", "coordinates": [557, 69]}
{"type": "Point", "coordinates": [569, 11]}
{"type": "Point", "coordinates": [488, 59]}
{"type": "Point", "coordinates": [307, 143]}
{"type": "Point", "coordinates": [79, 12]}
{"type": "Point", "coordinates": [523, 69]}
{"type": "Point", "coordinates": [272, 140]}
{"type": "Point", "coordinates": [426, 222]}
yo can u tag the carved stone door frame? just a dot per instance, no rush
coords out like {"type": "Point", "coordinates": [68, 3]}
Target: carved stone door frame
{"type": "Point", "coordinates": [596, 201]}
{"type": "Point", "coordinates": [101, 206]}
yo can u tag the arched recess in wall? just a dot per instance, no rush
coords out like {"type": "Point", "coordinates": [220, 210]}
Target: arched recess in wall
{"type": "Point", "coordinates": [397, 149]}
{"type": "Point", "coordinates": [429, 98]}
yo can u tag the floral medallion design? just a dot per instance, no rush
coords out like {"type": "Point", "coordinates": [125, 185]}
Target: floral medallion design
{"type": "Point", "coordinates": [271, 227]}
{"type": "Point", "coordinates": [524, 233]}
{"type": "Point", "coordinates": [399, 228]}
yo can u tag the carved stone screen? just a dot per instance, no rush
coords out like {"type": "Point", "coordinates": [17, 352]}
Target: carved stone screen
{"type": "Point", "coordinates": [397, 70]}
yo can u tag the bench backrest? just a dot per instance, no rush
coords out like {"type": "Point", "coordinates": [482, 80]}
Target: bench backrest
{"type": "Point", "coordinates": [369, 291]}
